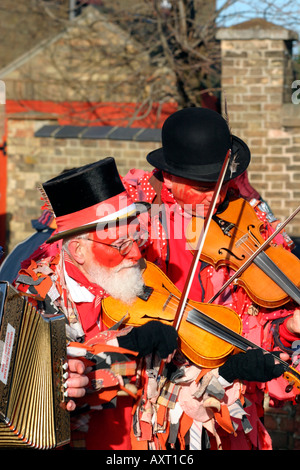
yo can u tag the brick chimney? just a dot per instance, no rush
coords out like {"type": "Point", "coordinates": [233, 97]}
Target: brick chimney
{"type": "Point", "coordinates": [257, 77]}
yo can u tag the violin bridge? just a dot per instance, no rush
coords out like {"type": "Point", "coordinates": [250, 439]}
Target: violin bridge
{"type": "Point", "coordinates": [166, 302]}
{"type": "Point", "coordinates": [242, 240]}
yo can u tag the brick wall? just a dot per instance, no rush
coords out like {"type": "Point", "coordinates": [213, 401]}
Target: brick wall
{"type": "Point", "coordinates": [257, 77]}
{"type": "Point", "coordinates": [40, 149]}
{"type": "Point", "coordinates": [283, 425]}
{"type": "Point", "coordinates": [90, 60]}
{"type": "Point", "coordinates": [34, 159]}
{"type": "Point", "coordinates": [257, 80]}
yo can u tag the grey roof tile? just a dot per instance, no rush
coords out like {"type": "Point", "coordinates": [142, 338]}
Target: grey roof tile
{"type": "Point", "coordinates": [47, 131]}
{"type": "Point", "coordinates": [100, 132]}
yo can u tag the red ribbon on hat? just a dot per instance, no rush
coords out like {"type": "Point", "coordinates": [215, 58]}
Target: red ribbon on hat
{"type": "Point", "coordinates": [113, 208]}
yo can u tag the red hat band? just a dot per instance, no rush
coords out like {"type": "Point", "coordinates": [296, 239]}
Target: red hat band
{"type": "Point", "coordinates": [118, 206]}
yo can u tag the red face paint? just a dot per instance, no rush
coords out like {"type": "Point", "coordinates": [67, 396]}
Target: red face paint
{"type": "Point", "coordinates": [109, 256]}
{"type": "Point", "coordinates": [194, 194]}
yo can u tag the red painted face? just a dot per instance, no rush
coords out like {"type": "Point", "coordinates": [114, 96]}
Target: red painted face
{"type": "Point", "coordinates": [109, 256]}
{"type": "Point", "coordinates": [193, 196]}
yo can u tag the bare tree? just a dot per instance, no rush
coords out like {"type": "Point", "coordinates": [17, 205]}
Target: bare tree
{"type": "Point", "coordinates": [143, 51]}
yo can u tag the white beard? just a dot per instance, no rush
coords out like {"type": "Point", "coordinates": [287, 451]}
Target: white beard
{"type": "Point", "coordinates": [123, 282]}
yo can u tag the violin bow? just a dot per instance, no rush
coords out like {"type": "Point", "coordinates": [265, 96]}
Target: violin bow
{"type": "Point", "coordinates": [200, 243]}
{"type": "Point", "coordinates": [253, 256]}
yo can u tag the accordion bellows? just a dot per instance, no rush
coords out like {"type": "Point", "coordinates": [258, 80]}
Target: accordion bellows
{"type": "Point", "coordinates": [32, 351]}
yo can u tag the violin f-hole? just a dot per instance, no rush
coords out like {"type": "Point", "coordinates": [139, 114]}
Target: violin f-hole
{"type": "Point", "coordinates": [255, 239]}
{"type": "Point", "coordinates": [242, 258]}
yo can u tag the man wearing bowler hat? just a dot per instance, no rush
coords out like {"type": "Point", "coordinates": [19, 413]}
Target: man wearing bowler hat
{"type": "Point", "coordinates": [94, 253]}
{"type": "Point", "coordinates": [195, 142]}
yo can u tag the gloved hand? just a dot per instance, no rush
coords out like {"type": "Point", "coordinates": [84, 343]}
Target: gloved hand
{"type": "Point", "coordinates": [253, 366]}
{"type": "Point", "coordinates": [154, 336]}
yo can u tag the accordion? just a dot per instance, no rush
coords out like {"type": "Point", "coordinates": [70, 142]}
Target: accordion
{"type": "Point", "coordinates": [33, 353]}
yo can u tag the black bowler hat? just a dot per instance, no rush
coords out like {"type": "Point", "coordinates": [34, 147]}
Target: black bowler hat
{"type": "Point", "coordinates": [195, 143]}
{"type": "Point", "coordinates": [88, 198]}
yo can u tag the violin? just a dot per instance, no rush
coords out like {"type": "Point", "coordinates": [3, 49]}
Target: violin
{"type": "Point", "coordinates": [208, 333]}
{"type": "Point", "coordinates": [273, 278]}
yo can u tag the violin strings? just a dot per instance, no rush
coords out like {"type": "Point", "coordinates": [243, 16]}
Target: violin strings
{"type": "Point", "coordinates": [268, 266]}
{"type": "Point", "coordinates": [172, 305]}
{"type": "Point", "coordinates": [174, 300]}
{"type": "Point", "coordinates": [250, 238]}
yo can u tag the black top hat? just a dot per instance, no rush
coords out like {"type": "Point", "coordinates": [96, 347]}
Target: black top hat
{"type": "Point", "coordinates": [195, 143]}
{"type": "Point", "coordinates": [88, 197]}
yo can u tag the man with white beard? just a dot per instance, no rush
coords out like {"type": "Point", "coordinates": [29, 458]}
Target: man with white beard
{"type": "Point", "coordinates": [116, 280]}
{"type": "Point", "coordinates": [93, 254]}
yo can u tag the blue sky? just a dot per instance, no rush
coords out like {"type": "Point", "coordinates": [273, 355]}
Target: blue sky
{"type": "Point", "coordinates": [283, 12]}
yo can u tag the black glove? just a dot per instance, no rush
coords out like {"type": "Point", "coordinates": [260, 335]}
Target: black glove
{"type": "Point", "coordinates": [253, 366]}
{"type": "Point", "coordinates": [154, 336]}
